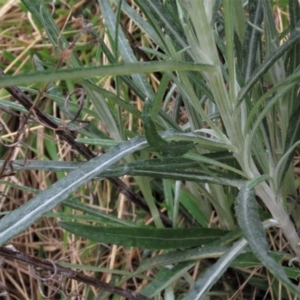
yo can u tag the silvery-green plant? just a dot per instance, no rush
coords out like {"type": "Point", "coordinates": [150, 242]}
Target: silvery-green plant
{"type": "Point", "coordinates": [237, 78]}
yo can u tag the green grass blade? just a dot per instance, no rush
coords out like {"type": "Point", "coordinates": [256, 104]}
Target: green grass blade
{"type": "Point", "coordinates": [252, 38]}
{"type": "Point", "coordinates": [39, 11]}
{"type": "Point", "coordinates": [283, 165]}
{"type": "Point", "coordinates": [141, 23]}
{"type": "Point", "coordinates": [124, 47]}
{"type": "Point", "coordinates": [157, 14]}
{"type": "Point", "coordinates": [164, 278]}
{"type": "Point", "coordinates": [267, 64]}
{"type": "Point", "coordinates": [293, 135]}
{"type": "Point", "coordinates": [216, 271]}
{"type": "Point", "coordinates": [277, 71]}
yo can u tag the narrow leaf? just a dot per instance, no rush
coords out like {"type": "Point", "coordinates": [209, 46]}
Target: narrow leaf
{"type": "Point", "coordinates": [252, 37]}
{"type": "Point", "coordinates": [206, 281]}
{"type": "Point", "coordinates": [264, 67]}
{"type": "Point", "coordinates": [22, 217]}
{"type": "Point", "coordinates": [124, 47]}
{"type": "Point", "coordinates": [145, 237]}
{"type": "Point", "coordinates": [102, 217]}
{"type": "Point", "coordinates": [174, 148]}
{"type": "Point", "coordinates": [103, 71]}
{"type": "Point", "coordinates": [181, 256]}
{"type": "Point", "coordinates": [164, 278]}
{"type": "Point", "coordinates": [248, 218]}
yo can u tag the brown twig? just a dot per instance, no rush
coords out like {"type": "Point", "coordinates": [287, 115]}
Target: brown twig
{"type": "Point", "coordinates": [17, 140]}
{"type": "Point", "coordinates": [81, 104]}
{"type": "Point", "coordinates": [57, 270]}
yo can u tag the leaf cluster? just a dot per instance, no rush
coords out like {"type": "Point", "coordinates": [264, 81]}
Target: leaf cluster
{"type": "Point", "coordinates": [216, 124]}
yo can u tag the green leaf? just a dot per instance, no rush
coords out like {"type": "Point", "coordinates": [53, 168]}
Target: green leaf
{"type": "Point", "coordinates": [158, 16]}
{"type": "Point", "coordinates": [174, 148]}
{"type": "Point", "coordinates": [211, 276]}
{"type": "Point", "coordinates": [140, 22]}
{"type": "Point", "coordinates": [58, 40]}
{"type": "Point", "coordinates": [249, 260]}
{"type": "Point", "coordinates": [277, 71]}
{"type": "Point", "coordinates": [267, 64]}
{"type": "Point", "coordinates": [191, 203]}
{"type": "Point", "coordinates": [124, 47]}
{"type": "Point", "coordinates": [213, 162]}
{"type": "Point", "coordinates": [152, 136]}
{"type": "Point", "coordinates": [292, 138]}
{"type": "Point", "coordinates": [248, 218]}
{"type": "Point", "coordinates": [181, 256]}
{"type": "Point", "coordinates": [164, 278]}
{"type": "Point", "coordinates": [283, 165]}
{"type": "Point", "coordinates": [22, 217]}
{"type": "Point", "coordinates": [171, 168]}
{"type": "Point", "coordinates": [105, 143]}
{"type": "Point", "coordinates": [97, 214]}
{"type": "Point", "coordinates": [144, 237]}
{"type": "Point", "coordinates": [103, 71]}
{"type": "Point", "coordinates": [252, 38]}
{"type": "Point", "coordinates": [212, 250]}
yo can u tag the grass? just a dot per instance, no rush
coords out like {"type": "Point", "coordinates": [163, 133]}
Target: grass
{"type": "Point", "coordinates": [205, 136]}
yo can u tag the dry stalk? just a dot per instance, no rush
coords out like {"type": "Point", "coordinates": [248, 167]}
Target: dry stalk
{"type": "Point", "coordinates": [60, 272]}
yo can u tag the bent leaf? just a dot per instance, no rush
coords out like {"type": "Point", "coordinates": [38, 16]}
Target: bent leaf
{"type": "Point", "coordinates": [248, 219]}
{"type": "Point", "coordinates": [173, 148]}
